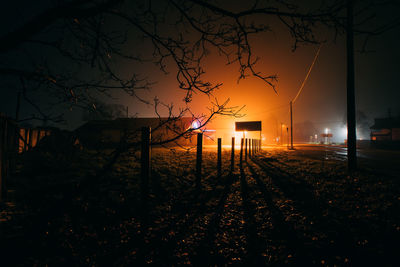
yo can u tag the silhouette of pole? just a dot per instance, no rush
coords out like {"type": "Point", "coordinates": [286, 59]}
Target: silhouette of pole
{"type": "Point", "coordinates": [291, 125]}
{"type": "Point", "coordinates": [219, 157]}
{"type": "Point", "coordinates": [351, 103]}
{"type": "Point", "coordinates": [199, 159]}
{"type": "Point", "coordinates": [241, 152]}
{"type": "Point", "coordinates": [245, 150]}
{"type": "Point", "coordinates": [287, 136]}
{"type": "Point", "coordinates": [233, 155]}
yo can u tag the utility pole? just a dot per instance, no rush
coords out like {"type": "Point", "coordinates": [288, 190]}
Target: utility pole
{"type": "Point", "coordinates": [287, 134]}
{"type": "Point", "coordinates": [291, 125]}
{"type": "Point", "coordinates": [351, 104]}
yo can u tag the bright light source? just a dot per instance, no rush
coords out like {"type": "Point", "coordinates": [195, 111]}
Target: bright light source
{"type": "Point", "coordinates": [344, 131]}
{"type": "Point", "coordinates": [195, 124]}
{"type": "Point", "coordinates": [326, 130]}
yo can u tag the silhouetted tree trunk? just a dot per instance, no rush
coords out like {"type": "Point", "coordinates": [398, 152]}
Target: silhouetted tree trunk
{"type": "Point", "coordinates": [351, 105]}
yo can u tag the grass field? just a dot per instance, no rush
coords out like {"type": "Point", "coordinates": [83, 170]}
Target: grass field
{"type": "Point", "coordinates": [280, 208]}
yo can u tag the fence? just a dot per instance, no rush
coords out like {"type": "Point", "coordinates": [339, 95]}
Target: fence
{"type": "Point", "coordinates": [248, 147]}
{"type": "Point", "coordinates": [13, 140]}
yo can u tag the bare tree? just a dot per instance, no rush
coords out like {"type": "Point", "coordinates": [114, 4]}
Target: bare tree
{"type": "Point", "coordinates": [86, 42]}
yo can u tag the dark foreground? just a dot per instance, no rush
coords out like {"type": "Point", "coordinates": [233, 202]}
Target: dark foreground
{"type": "Point", "coordinates": [283, 207]}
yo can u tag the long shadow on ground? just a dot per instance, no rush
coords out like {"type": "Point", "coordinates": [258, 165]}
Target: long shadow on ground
{"type": "Point", "coordinates": [207, 253]}
{"type": "Point", "coordinates": [339, 232]}
{"type": "Point", "coordinates": [255, 245]}
{"type": "Point", "coordinates": [283, 230]}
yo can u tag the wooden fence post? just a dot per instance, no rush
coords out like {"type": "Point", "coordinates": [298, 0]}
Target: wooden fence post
{"type": "Point", "coordinates": [145, 166]}
{"type": "Point", "coordinates": [241, 152]}
{"type": "Point", "coordinates": [199, 157]}
{"type": "Point", "coordinates": [245, 151]}
{"type": "Point", "coordinates": [219, 157]}
{"type": "Point", "coordinates": [233, 155]}
{"type": "Point", "coordinates": [251, 150]}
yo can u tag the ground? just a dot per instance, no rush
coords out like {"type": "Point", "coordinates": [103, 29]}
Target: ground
{"type": "Point", "coordinates": [298, 207]}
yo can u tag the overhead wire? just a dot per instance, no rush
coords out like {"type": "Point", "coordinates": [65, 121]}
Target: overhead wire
{"type": "Point", "coordinates": [308, 74]}
{"type": "Point", "coordinates": [302, 84]}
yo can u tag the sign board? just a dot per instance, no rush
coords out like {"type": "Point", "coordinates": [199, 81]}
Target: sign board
{"type": "Point", "coordinates": [248, 126]}
{"type": "Point", "coordinates": [326, 135]}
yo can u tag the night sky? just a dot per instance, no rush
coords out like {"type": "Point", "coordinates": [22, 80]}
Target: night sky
{"type": "Point", "coordinates": [322, 101]}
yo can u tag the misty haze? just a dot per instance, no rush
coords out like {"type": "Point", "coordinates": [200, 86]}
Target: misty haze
{"type": "Point", "coordinates": [206, 133]}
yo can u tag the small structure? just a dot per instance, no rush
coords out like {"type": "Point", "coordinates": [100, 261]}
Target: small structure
{"type": "Point", "coordinates": [327, 136]}
{"type": "Point", "coordinates": [109, 133]}
{"type": "Point", "coordinates": [248, 126]}
{"type": "Point", "coordinates": [386, 132]}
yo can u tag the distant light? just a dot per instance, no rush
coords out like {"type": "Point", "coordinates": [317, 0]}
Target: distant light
{"type": "Point", "coordinates": [326, 130]}
{"type": "Point", "coordinates": [344, 131]}
{"type": "Point", "coordinates": [195, 124]}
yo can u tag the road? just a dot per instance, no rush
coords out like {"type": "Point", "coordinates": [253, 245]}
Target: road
{"type": "Point", "coordinates": [379, 160]}
{"type": "Point", "coordinates": [385, 161]}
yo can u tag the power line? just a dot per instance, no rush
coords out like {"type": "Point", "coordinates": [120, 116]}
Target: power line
{"type": "Point", "coordinates": [308, 74]}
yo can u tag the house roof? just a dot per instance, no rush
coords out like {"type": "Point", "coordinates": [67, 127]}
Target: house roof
{"type": "Point", "coordinates": [386, 123]}
{"type": "Point", "coordinates": [130, 124]}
